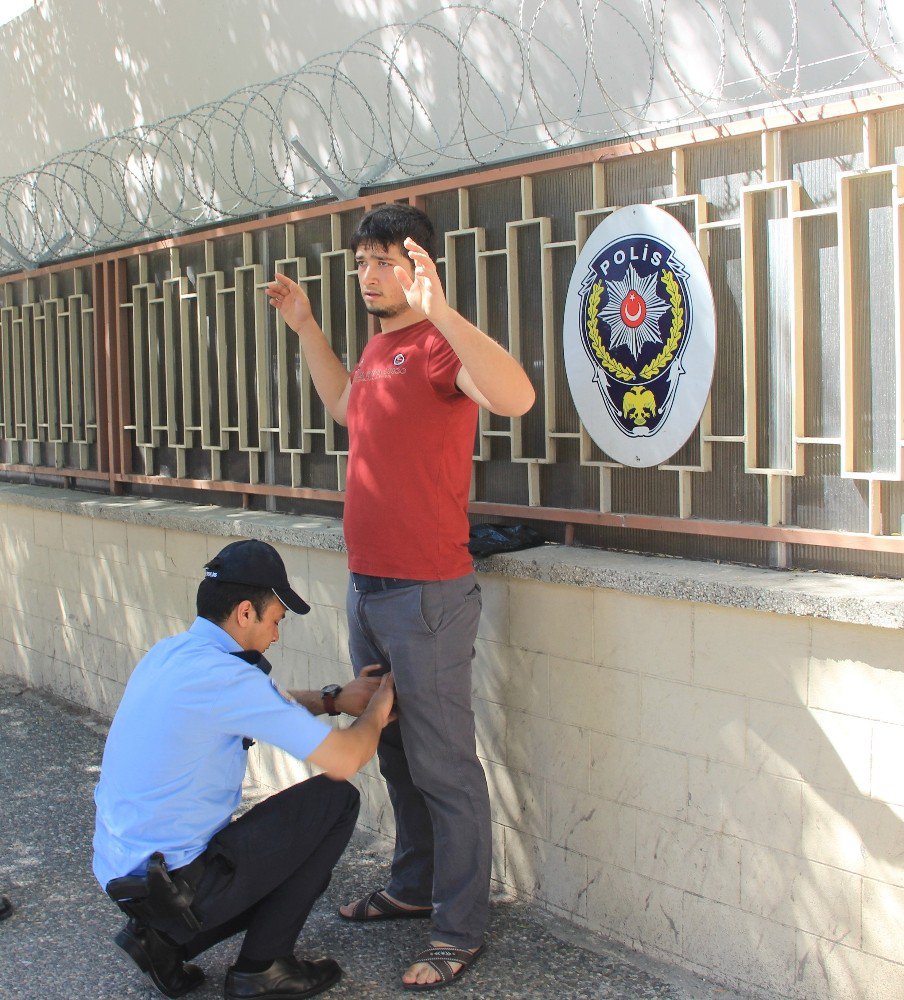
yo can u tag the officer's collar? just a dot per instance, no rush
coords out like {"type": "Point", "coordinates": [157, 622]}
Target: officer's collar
{"type": "Point", "coordinates": [204, 628]}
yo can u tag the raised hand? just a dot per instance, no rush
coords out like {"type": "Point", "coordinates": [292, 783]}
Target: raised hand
{"type": "Point", "coordinates": [289, 299]}
{"type": "Point", "coordinates": [424, 291]}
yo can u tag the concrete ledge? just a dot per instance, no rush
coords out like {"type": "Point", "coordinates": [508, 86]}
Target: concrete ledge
{"type": "Point", "coordinates": [834, 597]}
{"type": "Point", "coordinates": [853, 599]}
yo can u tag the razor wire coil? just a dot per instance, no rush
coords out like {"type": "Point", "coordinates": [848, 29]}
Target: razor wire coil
{"type": "Point", "coordinates": [365, 115]}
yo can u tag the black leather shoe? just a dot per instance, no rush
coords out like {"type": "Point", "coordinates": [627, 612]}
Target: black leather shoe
{"type": "Point", "coordinates": [159, 960]}
{"type": "Point", "coordinates": [286, 979]}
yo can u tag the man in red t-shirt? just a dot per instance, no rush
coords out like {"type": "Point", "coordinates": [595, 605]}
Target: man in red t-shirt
{"type": "Point", "coordinates": [413, 602]}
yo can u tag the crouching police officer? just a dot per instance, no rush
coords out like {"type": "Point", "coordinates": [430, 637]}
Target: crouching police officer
{"type": "Point", "coordinates": [164, 846]}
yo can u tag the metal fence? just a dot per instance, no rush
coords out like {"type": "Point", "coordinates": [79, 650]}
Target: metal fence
{"type": "Point", "coordinates": [161, 368]}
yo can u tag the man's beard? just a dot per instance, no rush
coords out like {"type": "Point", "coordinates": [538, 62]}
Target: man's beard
{"type": "Point", "coordinates": [385, 312]}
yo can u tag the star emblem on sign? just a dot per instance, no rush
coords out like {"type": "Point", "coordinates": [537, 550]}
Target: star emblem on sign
{"type": "Point", "coordinates": [633, 311]}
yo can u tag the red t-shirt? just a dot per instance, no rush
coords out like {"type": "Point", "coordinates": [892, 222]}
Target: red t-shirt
{"type": "Point", "coordinates": [411, 440]}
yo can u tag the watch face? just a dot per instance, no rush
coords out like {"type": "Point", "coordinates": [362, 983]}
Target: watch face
{"type": "Point", "coordinates": [332, 689]}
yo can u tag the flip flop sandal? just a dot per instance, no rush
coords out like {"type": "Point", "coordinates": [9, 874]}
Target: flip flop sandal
{"type": "Point", "coordinates": [386, 910]}
{"type": "Point", "coordinates": [439, 959]}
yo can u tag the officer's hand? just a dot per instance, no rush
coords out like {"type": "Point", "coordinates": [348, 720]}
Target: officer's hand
{"type": "Point", "coordinates": [356, 695]}
{"type": "Point", "coordinates": [382, 705]}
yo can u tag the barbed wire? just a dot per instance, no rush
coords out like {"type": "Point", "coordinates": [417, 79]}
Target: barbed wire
{"type": "Point", "coordinates": [461, 86]}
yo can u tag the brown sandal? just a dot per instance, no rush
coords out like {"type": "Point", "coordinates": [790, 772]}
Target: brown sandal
{"type": "Point", "coordinates": [386, 909]}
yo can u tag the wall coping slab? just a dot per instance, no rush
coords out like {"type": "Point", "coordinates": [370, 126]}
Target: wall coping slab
{"type": "Point", "coordinates": [833, 597]}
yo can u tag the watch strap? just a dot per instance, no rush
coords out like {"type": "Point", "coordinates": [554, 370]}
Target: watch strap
{"type": "Point", "coordinates": [328, 695]}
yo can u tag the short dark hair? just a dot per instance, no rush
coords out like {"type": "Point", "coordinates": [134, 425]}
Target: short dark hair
{"type": "Point", "coordinates": [388, 226]}
{"type": "Point", "coordinates": [216, 599]}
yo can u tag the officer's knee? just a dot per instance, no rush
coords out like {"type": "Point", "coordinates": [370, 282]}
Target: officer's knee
{"type": "Point", "coordinates": [343, 793]}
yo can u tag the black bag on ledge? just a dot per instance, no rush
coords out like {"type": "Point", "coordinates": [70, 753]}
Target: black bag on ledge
{"type": "Point", "coordinates": [488, 539]}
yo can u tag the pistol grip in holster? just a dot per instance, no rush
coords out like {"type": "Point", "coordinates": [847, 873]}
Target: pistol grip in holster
{"type": "Point", "coordinates": [156, 896]}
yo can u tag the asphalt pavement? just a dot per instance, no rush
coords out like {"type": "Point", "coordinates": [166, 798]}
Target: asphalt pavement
{"type": "Point", "coordinates": [58, 943]}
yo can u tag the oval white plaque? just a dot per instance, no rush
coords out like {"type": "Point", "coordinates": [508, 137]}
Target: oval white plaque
{"type": "Point", "coordinates": [639, 335]}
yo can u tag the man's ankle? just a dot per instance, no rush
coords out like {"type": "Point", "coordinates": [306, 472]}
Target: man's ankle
{"type": "Point", "coordinates": [243, 964]}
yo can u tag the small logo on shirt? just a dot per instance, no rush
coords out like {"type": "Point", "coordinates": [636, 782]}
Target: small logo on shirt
{"type": "Point", "coordinates": [377, 373]}
{"type": "Point", "coordinates": [399, 359]}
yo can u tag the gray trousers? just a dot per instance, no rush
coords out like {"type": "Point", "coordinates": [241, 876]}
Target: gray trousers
{"type": "Point", "coordinates": [425, 634]}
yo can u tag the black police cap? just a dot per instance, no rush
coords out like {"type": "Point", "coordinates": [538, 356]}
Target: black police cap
{"type": "Point", "coordinates": [256, 564]}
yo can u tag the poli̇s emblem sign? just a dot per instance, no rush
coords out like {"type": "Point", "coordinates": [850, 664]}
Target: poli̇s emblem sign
{"type": "Point", "coordinates": [640, 335]}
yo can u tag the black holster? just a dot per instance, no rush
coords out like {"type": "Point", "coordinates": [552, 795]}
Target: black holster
{"type": "Point", "coordinates": [158, 897]}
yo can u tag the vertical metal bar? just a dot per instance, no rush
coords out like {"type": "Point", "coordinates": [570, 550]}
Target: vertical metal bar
{"type": "Point", "coordinates": [598, 180]}
{"type": "Point", "coordinates": [51, 339]}
{"type": "Point", "coordinates": [605, 488]}
{"type": "Point", "coordinates": [846, 323]}
{"type": "Point", "coordinates": [527, 198]}
{"type": "Point", "coordinates": [770, 146]}
{"type": "Point", "coordinates": [101, 371]}
{"type": "Point", "coordinates": [122, 384]}
{"type": "Point", "coordinates": [870, 148]}
{"type": "Point", "coordinates": [748, 326]}
{"type": "Point", "coordinates": [31, 382]}
{"type": "Point", "coordinates": [464, 208]}
{"type": "Point", "coordinates": [685, 487]}
{"type": "Point", "coordinates": [17, 358]}
{"type": "Point", "coordinates": [89, 373]}
{"type": "Point", "coordinates": [897, 208]}
{"type": "Point", "coordinates": [263, 316]}
{"type": "Point", "coordinates": [875, 507]}
{"type": "Point", "coordinates": [75, 390]}
{"type": "Point", "coordinates": [550, 345]}
{"type": "Point", "coordinates": [798, 367]}
{"type": "Point", "coordinates": [8, 374]}
{"type": "Point", "coordinates": [111, 360]}
{"type": "Point", "coordinates": [898, 215]}
{"type": "Point", "coordinates": [679, 184]}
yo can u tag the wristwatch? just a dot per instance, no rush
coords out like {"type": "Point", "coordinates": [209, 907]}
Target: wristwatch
{"type": "Point", "coordinates": [329, 694]}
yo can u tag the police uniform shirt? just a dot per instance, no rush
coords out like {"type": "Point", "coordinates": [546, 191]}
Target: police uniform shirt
{"type": "Point", "coordinates": [173, 764]}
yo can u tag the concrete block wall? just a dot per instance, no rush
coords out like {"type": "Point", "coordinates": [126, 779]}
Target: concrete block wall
{"type": "Point", "coordinates": [707, 776]}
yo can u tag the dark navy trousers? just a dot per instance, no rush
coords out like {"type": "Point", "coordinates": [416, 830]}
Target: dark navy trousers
{"type": "Point", "coordinates": [263, 872]}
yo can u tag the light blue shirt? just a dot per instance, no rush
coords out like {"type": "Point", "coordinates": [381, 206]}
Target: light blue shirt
{"type": "Point", "coordinates": [173, 765]}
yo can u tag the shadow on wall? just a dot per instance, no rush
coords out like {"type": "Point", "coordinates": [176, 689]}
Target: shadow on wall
{"type": "Point", "coordinates": [745, 803]}
{"type": "Point", "coordinates": [842, 882]}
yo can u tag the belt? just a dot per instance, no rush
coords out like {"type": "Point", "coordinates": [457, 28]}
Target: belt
{"type": "Point", "coordinates": [365, 584]}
